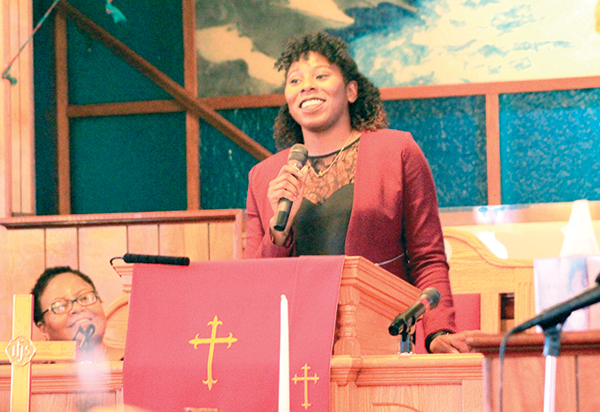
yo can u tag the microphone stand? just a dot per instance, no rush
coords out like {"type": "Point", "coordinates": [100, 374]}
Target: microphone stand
{"type": "Point", "coordinates": [551, 352]}
{"type": "Point", "coordinates": [551, 321]}
{"type": "Point", "coordinates": [406, 347]}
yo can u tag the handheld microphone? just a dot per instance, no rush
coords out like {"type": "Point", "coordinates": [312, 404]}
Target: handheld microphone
{"type": "Point", "coordinates": [428, 299]}
{"type": "Point", "coordinates": [164, 260]}
{"type": "Point", "coordinates": [297, 158]}
{"type": "Point", "coordinates": [86, 334]}
{"type": "Point", "coordinates": [559, 313]}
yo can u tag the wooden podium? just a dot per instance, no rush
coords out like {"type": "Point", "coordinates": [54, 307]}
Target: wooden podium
{"type": "Point", "coordinates": [368, 374]}
{"type": "Point", "coordinates": [524, 368]}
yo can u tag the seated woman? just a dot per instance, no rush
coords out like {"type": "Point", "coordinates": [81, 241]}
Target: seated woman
{"type": "Point", "coordinates": [67, 307]}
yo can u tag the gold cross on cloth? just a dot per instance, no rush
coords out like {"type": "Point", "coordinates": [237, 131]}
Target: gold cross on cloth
{"type": "Point", "coordinates": [211, 351]}
{"type": "Point", "coordinates": [21, 350]}
{"type": "Point", "coordinates": [305, 378]}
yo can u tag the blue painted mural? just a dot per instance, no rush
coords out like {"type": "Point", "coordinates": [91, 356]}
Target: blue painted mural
{"type": "Point", "coordinates": [400, 42]}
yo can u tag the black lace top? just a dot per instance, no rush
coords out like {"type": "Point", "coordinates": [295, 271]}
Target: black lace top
{"type": "Point", "coordinates": [322, 220]}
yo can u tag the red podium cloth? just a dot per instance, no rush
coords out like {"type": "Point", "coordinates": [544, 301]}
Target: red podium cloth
{"type": "Point", "coordinates": [174, 311]}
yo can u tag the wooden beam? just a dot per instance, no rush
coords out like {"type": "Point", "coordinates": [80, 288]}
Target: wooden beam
{"type": "Point", "coordinates": [26, 113]}
{"type": "Point", "coordinates": [492, 121]}
{"type": "Point", "coordinates": [13, 43]}
{"type": "Point", "coordinates": [192, 124]}
{"type": "Point", "coordinates": [183, 96]}
{"type": "Point", "coordinates": [471, 89]}
{"type": "Point", "coordinates": [62, 121]}
{"type": "Point", "coordinates": [244, 102]}
{"type": "Point", "coordinates": [125, 108]}
{"type": "Point", "coordinates": [121, 219]}
{"type": "Point", "coordinates": [412, 92]}
{"type": "Point", "coordinates": [5, 117]}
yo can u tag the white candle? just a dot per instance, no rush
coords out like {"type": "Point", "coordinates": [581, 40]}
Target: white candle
{"type": "Point", "coordinates": [284, 359]}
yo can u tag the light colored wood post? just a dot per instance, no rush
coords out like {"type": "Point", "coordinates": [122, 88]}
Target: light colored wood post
{"type": "Point", "coordinates": [17, 160]}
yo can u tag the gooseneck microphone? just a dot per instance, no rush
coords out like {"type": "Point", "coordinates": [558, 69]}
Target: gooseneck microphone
{"type": "Point", "coordinates": [297, 158]}
{"type": "Point", "coordinates": [428, 299]}
{"type": "Point", "coordinates": [560, 312]}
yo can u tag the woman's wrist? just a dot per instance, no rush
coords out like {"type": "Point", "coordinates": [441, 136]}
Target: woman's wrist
{"type": "Point", "coordinates": [282, 238]}
{"type": "Point", "coordinates": [434, 335]}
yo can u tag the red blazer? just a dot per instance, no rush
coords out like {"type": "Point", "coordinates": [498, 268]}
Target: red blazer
{"type": "Point", "coordinates": [394, 216]}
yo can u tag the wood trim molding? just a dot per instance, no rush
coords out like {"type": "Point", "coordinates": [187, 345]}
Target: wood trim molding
{"type": "Point", "coordinates": [64, 377]}
{"type": "Point", "coordinates": [434, 369]}
{"type": "Point", "coordinates": [32, 222]}
{"type": "Point", "coordinates": [471, 89]}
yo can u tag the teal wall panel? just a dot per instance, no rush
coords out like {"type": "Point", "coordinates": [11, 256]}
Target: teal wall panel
{"type": "Point", "coordinates": [550, 146]}
{"type": "Point", "coordinates": [451, 133]}
{"type": "Point", "coordinates": [224, 166]}
{"type": "Point", "coordinates": [100, 76]}
{"type": "Point", "coordinates": [128, 164]}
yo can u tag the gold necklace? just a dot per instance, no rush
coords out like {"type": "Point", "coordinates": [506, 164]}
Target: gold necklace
{"type": "Point", "coordinates": [335, 159]}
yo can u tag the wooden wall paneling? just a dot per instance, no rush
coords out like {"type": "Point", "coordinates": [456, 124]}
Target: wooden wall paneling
{"type": "Point", "coordinates": [587, 371]}
{"type": "Point", "coordinates": [23, 262]}
{"type": "Point", "coordinates": [142, 239]}
{"type": "Point", "coordinates": [222, 241]}
{"type": "Point", "coordinates": [97, 245]}
{"type": "Point", "coordinates": [190, 239]}
{"type": "Point", "coordinates": [62, 247]}
{"type": "Point", "coordinates": [62, 121]}
{"type": "Point", "coordinates": [523, 383]}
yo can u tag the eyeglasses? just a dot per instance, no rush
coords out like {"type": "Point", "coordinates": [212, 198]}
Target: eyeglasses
{"type": "Point", "coordinates": [64, 305]}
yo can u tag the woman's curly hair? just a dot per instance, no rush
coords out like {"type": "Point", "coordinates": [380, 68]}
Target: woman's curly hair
{"type": "Point", "coordinates": [366, 113]}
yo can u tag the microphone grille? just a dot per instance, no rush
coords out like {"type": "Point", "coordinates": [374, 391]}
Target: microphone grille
{"type": "Point", "coordinates": [433, 297]}
{"type": "Point", "coordinates": [299, 153]}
